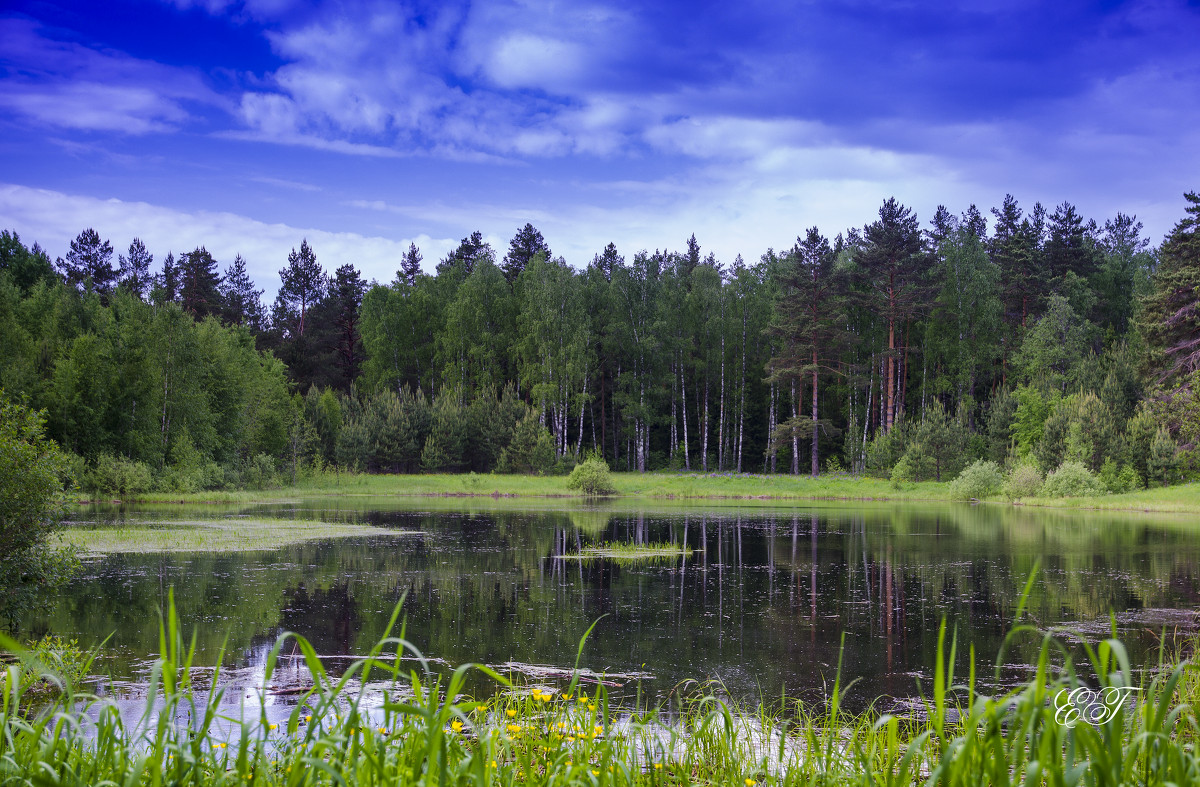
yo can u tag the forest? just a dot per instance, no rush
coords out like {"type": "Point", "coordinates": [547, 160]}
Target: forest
{"type": "Point", "coordinates": [1034, 338]}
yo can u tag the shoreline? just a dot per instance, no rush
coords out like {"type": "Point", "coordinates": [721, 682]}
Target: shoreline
{"type": "Point", "coordinates": [659, 487]}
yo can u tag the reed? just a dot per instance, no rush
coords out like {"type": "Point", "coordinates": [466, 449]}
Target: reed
{"type": "Point", "coordinates": [391, 721]}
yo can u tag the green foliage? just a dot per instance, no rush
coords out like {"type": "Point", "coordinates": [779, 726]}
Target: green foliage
{"type": "Point", "coordinates": [118, 476]}
{"type": "Point", "coordinates": [53, 663]}
{"type": "Point", "coordinates": [1118, 479]}
{"type": "Point", "coordinates": [1029, 418]}
{"type": "Point", "coordinates": [531, 449]}
{"type": "Point", "coordinates": [1162, 464]}
{"type": "Point", "coordinates": [592, 477]}
{"type": "Point", "coordinates": [1072, 479]}
{"type": "Point", "coordinates": [1025, 480]}
{"type": "Point", "coordinates": [31, 508]}
{"type": "Point", "coordinates": [978, 480]}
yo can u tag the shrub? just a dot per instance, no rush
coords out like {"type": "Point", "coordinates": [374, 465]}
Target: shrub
{"type": "Point", "coordinates": [260, 473]}
{"type": "Point", "coordinates": [118, 475]}
{"type": "Point", "coordinates": [903, 471]}
{"type": "Point", "coordinates": [1118, 479]}
{"type": "Point", "coordinates": [592, 477]}
{"type": "Point", "coordinates": [1025, 480]}
{"type": "Point", "coordinates": [978, 480]}
{"type": "Point", "coordinates": [1072, 479]}
{"type": "Point", "coordinates": [54, 657]}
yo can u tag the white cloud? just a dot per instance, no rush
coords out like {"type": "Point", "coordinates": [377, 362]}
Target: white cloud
{"type": "Point", "coordinates": [53, 218]}
{"type": "Point", "coordinates": [72, 86]}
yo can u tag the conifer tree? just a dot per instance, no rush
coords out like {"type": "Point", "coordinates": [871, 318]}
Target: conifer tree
{"type": "Point", "coordinates": [301, 285]}
{"type": "Point", "coordinates": [410, 266]}
{"type": "Point", "coordinates": [199, 283]}
{"type": "Point", "coordinates": [525, 245]}
{"type": "Point", "coordinates": [135, 269]}
{"type": "Point", "coordinates": [90, 259]}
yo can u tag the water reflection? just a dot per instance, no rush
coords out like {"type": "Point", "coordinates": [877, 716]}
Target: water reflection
{"type": "Point", "coordinates": [761, 604]}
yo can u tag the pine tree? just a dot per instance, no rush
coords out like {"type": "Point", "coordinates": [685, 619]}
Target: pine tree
{"type": "Point", "coordinates": [525, 245]}
{"type": "Point", "coordinates": [135, 269]}
{"type": "Point", "coordinates": [470, 252]}
{"type": "Point", "coordinates": [410, 266]}
{"type": "Point", "coordinates": [1068, 249]}
{"type": "Point", "coordinates": [895, 268]}
{"type": "Point", "coordinates": [607, 260]}
{"type": "Point", "coordinates": [1014, 248]}
{"type": "Point", "coordinates": [199, 283]}
{"type": "Point", "coordinates": [1171, 315]}
{"type": "Point", "coordinates": [302, 285]}
{"type": "Point", "coordinates": [90, 259]}
{"type": "Point", "coordinates": [346, 291]}
{"type": "Point", "coordinates": [810, 315]}
{"type": "Point", "coordinates": [26, 266]}
{"type": "Point", "coordinates": [243, 303]}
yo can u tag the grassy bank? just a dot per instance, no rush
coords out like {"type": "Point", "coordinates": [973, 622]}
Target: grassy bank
{"type": "Point", "coordinates": [415, 727]}
{"type": "Point", "coordinates": [1184, 498]}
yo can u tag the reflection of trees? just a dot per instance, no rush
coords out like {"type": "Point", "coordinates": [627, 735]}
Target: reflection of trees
{"type": "Point", "coordinates": [763, 601]}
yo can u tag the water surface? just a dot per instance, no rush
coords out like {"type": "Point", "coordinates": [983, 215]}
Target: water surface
{"type": "Point", "coordinates": [767, 602]}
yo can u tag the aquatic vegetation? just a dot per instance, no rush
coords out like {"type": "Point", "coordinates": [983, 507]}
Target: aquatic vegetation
{"type": "Point", "coordinates": [381, 722]}
{"type": "Point", "coordinates": [631, 552]}
{"type": "Point", "coordinates": [229, 534]}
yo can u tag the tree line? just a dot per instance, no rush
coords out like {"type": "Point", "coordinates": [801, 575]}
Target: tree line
{"type": "Point", "coordinates": [1034, 336]}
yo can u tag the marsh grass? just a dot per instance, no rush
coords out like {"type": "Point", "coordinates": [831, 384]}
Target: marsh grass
{"type": "Point", "coordinates": [420, 729]}
{"type": "Point", "coordinates": [631, 553]}
{"type": "Point", "coordinates": [214, 535]}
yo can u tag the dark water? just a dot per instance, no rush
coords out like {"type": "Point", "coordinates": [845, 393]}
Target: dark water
{"type": "Point", "coordinates": [764, 604]}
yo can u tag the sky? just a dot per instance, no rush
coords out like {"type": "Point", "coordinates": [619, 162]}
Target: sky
{"type": "Point", "coordinates": [247, 125]}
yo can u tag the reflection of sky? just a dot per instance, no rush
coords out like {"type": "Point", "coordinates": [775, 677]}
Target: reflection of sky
{"type": "Point", "coordinates": [246, 124]}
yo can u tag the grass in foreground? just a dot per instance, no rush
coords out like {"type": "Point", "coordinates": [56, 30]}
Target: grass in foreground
{"type": "Point", "coordinates": [420, 730]}
{"type": "Point", "coordinates": [213, 535]}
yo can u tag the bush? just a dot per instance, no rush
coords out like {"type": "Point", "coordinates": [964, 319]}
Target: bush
{"type": "Point", "coordinates": [1072, 479]}
{"type": "Point", "coordinates": [903, 471]}
{"type": "Point", "coordinates": [978, 480]}
{"type": "Point", "coordinates": [260, 473]}
{"type": "Point", "coordinates": [32, 505]}
{"type": "Point", "coordinates": [1119, 479]}
{"type": "Point", "coordinates": [53, 658]}
{"type": "Point", "coordinates": [116, 475]}
{"type": "Point", "coordinates": [592, 477]}
{"type": "Point", "coordinates": [1025, 480]}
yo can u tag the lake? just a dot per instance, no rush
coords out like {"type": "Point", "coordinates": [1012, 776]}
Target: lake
{"type": "Point", "coordinates": [766, 602]}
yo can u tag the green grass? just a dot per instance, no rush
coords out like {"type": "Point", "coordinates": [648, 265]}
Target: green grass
{"type": "Point", "coordinates": [414, 726]}
{"type": "Point", "coordinates": [632, 553]}
{"type": "Point", "coordinates": [213, 535]}
{"type": "Point", "coordinates": [668, 486]}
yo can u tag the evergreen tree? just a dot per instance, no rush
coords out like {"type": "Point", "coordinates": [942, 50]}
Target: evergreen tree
{"type": "Point", "coordinates": [1014, 249]}
{"type": "Point", "coordinates": [135, 269]}
{"type": "Point", "coordinates": [90, 259]}
{"type": "Point", "coordinates": [410, 266]}
{"type": "Point", "coordinates": [1171, 314]}
{"type": "Point", "coordinates": [26, 266]}
{"type": "Point", "coordinates": [166, 284]}
{"type": "Point", "coordinates": [301, 285]}
{"type": "Point", "coordinates": [346, 293]}
{"type": "Point", "coordinates": [607, 261]}
{"type": "Point", "coordinates": [895, 268]}
{"type": "Point", "coordinates": [470, 252]}
{"type": "Point", "coordinates": [1068, 249]}
{"type": "Point", "coordinates": [525, 245]}
{"type": "Point", "coordinates": [243, 303]}
{"type": "Point", "coordinates": [199, 284]}
{"type": "Point", "coordinates": [810, 315]}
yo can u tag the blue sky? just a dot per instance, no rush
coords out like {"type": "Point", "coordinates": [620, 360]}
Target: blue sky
{"type": "Point", "coordinates": [247, 125]}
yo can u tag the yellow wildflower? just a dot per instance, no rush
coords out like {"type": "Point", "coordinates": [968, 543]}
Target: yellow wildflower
{"type": "Point", "coordinates": [750, 782]}
{"type": "Point", "coordinates": [272, 726]}
{"type": "Point", "coordinates": [456, 725]}
{"type": "Point", "coordinates": [658, 766]}
{"type": "Point", "coordinates": [511, 713]}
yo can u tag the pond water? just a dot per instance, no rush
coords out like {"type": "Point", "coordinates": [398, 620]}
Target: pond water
{"type": "Point", "coordinates": [766, 602]}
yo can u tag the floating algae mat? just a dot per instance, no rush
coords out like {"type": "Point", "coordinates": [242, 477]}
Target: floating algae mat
{"type": "Point", "coordinates": [631, 552]}
{"type": "Point", "coordinates": [215, 535]}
